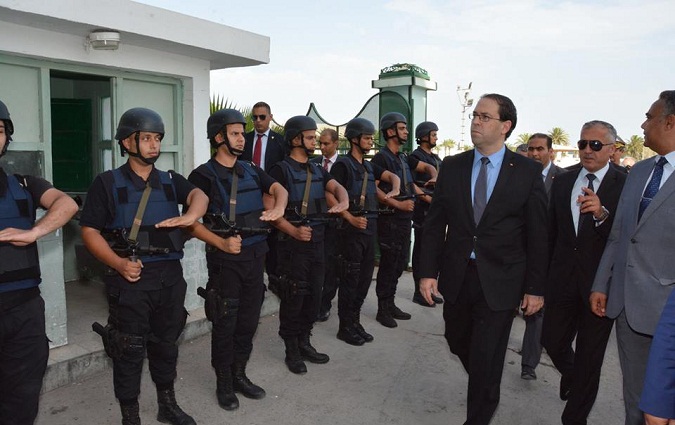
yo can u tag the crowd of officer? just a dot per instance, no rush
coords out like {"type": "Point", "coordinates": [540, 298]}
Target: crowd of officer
{"type": "Point", "coordinates": [136, 219]}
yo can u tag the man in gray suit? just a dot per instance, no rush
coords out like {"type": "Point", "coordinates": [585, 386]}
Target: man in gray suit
{"type": "Point", "coordinates": [637, 270]}
{"type": "Point", "coordinates": [539, 148]}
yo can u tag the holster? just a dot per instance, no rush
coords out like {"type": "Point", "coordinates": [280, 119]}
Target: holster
{"type": "Point", "coordinates": [289, 288]}
{"type": "Point", "coordinates": [217, 307]}
{"type": "Point", "coordinates": [116, 343]}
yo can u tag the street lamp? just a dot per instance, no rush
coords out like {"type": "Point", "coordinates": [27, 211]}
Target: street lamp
{"type": "Point", "coordinates": [465, 102]}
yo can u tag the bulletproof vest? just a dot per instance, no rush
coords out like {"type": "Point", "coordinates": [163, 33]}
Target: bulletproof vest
{"type": "Point", "coordinates": [398, 164]}
{"type": "Point", "coordinates": [249, 199]}
{"type": "Point", "coordinates": [296, 180]}
{"type": "Point", "coordinates": [17, 263]}
{"type": "Point", "coordinates": [162, 204]}
{"type": "Point", "coordinates": [355, 170]}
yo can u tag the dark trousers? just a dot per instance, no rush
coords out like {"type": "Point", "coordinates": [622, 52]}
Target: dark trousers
{"type": "Point", "coordinates": [565, 318]}
{"type": "Point", "coordinates": [303, 264]}
{"type": "Point", "coordinates": [416, 254]}
{"type": "Point", "coordinates": [358, 253]}
{"type": "Point", "coordinates": [330, 282]}
{"type": "Point", "coordinates": [531, 348]}
{"type": "Point", "coordinates": [23, 361]}
{"type": "Point", "coordinates": [393, 236]}
{"type": "Point", "coordinates": [479, 337]}
{"type": "Point", "coordinates": [159, 317]}
{"type": "Point", "coordinates": [232, 336]}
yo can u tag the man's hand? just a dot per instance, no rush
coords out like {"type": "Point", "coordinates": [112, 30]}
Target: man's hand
{"type": "Point", "coordinates": [18, 237]}
{"type": "Point", "coordinates": [339, 207]}
{"type": "Point", "coordinates": [358, 222]}
{"type": "Point", "coordinates": [590, 203]}
{"type": "Point", "coordinates": [181, 221]}
{"type": "Point", "coordinates": [531, 304]}
{"type": "Point", "coordinates": [272, 215]}
{"type": "Point", "coordinates": [303, 233]}
{"type": "Point", "coordinates": [408, 205]}
{"type": "Point", "coordinates": [598, 303]}
{"type": "Point", "coordinates": [130, 270]}
{"type": "Point", "coordinates": [231, 245]}
{"type": "Point", "coordinates": [429, 286]}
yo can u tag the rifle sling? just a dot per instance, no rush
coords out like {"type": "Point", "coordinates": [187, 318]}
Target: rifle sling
{"type": "Point", "coordinates": [133, 234]}
{"type": "Point", "coordinates": [362, 199]}
{"type": "Point", "coordinates": [405, 175]}
{"type": "Point", "coordinates": [308, 185]}
{"type": "Point", "coordinates": [233, 195]}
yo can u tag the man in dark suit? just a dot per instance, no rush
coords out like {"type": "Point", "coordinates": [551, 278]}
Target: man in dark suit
{"type": "Point", "coordinates": [637, 271]}
{"type": "Point", "coordinates": [486, 235]}
{"type": "Point", "coordinates": [539, 148]}
{"type": "Point", "coordinates": [263, 146]}
{"type": "Point", "coordinates": [581, 212]}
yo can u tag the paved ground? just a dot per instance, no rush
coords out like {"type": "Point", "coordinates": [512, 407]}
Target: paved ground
{"type": "Point", "coordinates": [406, 376]}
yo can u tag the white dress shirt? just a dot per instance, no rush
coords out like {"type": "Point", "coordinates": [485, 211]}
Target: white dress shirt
{"type": "Point", "coordinates": [582, 181]}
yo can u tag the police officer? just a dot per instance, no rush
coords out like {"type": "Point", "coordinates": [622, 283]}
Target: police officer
{"type": "Point", "coordinates": [300, 251]}
{"type": "Point", "coordinates": [426, 134]}
{"type": "Point", "coordinates": [235, 259]}
{"type": "Point", "coordinates": [357, 236]}
{"type": "Point", "coordinates": [144, 282]}
{"type": "Point", "coordinates": [23, 343]}
{"type": "Point", "coordinates": [393, 231]}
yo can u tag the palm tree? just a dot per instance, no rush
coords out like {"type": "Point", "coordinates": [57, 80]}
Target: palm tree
{"type": "Point", "coordinates": [522, 138]}
{"type": "Point", "coordinates": [559, 136]}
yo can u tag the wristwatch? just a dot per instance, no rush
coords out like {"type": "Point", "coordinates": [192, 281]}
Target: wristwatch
{"type": "Point", "coordinates": [604, 216]}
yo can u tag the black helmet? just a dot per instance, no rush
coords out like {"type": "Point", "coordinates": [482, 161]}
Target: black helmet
{"type": "Point", "coordinates": [358, 126]}
{"type": "Point", "coordinates": [390, 119]}
{"type": "Point", "coordinates": [297, 125]}
{"type": "Point", "coordinates": [220, 119]}
{"type": "Point", "coordinates": [424, 128]}
{"type": "Point", "coordinates": [9, 126]}
{"type": "Point", "coordinates": [139, 119]}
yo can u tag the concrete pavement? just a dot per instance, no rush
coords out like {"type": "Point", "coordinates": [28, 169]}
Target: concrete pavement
{"type": "Point", "coordinates": [406, 376]}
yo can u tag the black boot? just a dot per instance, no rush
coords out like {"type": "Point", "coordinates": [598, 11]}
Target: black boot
{"type": "Point", "coordinates": [347, 333]}
{"type": "Point", "coordinates": [293, 358]}
{"type": "Point", "coordinates": [384, 314]}
{"type": "Point", "coordinates": [227, 399]}
{"type": "Point", "coordinates": [130, 414]}
{"type": "Point", "coordinates": [169, 411]}
{"type": "Point", "coordinates": [308, 352]}
{"type": "Point", "coordinates": [397, 313]}
{"type": "Point", "coordinates": [243, 384]}
{"type": "Point", "coordinates": [356, 317]}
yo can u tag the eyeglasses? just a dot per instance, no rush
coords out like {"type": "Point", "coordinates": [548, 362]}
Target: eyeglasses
{"type": "Point", "coordinates": [482, 117]}
{"type": "Point", "coordinates": [259, 117]}
{"type": "Point", "coordinates": [596, 145]}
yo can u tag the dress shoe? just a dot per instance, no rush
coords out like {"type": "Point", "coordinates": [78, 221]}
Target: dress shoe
{"type": "Point", "coordinates": [419, 299]}
{"type": "Point", "coordinates": [565, 387]}
{"type": "Point", "coordinates": [323, 315]}
{"type": "Point", "coordinates": [528, 374]}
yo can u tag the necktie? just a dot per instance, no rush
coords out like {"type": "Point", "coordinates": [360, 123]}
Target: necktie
{"type": "Point", "coordinates": [258, 151]}
{"type": "Point", "coordinates": [652, 186]}
{"type": "Point", "coordinates": [480, 191]}
{"type": "Point", "coordinates": [583, 216]}
{"type": "Point", "coordinates": [326, 161]}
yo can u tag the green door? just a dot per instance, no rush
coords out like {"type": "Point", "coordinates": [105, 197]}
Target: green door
{"type": "Point", "coordinates": [71, 144]}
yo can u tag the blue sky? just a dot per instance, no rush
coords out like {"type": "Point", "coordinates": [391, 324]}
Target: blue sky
{"type": "Point", "coordinates": [563, 63]}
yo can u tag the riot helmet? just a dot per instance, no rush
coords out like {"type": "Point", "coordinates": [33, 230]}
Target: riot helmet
{"type": "Point", "coordinates": [423, 130]}
{"type": "Point", "coordinates": [133, 122]}
{"type": "Point", "coordinates": [356, 127]}
{"type": "Point", "coordinates": [294, 127]}
{"type": "Point", "coordinates": [9, 126]}
{"type": "Point", "coordinates": [389, 120]}
{"type": "Point", "coordinates": [218, 122]}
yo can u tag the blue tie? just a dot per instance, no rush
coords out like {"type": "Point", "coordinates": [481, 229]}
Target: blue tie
{"type": "Point", "coordinates": [652, 187]}
{"type": "Point", "coordinates": [480, 191]}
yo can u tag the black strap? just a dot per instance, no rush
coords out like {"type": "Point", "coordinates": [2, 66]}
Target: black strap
{"type": "Point", "coordinates": [136, 226]}
{"type": "Point", "coordinates": [308, 185]}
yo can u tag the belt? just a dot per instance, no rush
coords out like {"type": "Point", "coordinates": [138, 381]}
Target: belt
{"type": "Point", "coordinates": [11, 299]}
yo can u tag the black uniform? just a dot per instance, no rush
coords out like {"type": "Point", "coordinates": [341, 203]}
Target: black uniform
{"type": "Point", "coordinates": [393, 231]}
{"type": "Point", "coordinates": [237, 278]}
{"type": "Point", "coordinates": [301, 263]}
{"type": "Point", "coordinates": [149, 313]}
{"type": "Point", "coordinates": [421, 206]}
{"type": "Point", "coordinates": [23, 343]}
{"type": "Point", "coordinates": [356, 246]}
